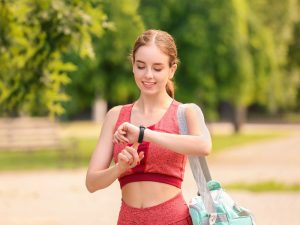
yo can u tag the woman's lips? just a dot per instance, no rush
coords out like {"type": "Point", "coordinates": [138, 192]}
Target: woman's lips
{"type": "Point", "coordinates": [148, 84]}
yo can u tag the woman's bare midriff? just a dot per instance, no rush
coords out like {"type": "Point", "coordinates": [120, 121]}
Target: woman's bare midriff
{"type": "Point", "coordinates": [145, 194]}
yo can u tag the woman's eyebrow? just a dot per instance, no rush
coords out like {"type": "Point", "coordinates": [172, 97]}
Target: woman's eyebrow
{"type": "Point", "coordinates": [156, 64]}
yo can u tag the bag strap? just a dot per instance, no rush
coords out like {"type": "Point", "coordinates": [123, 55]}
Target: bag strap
{"type": "Point", "coordinates": [198, 166]}
{"type": "Point", "coordinates": [184, 130]}
{"type": "Point", "coordinates": [205, 169]}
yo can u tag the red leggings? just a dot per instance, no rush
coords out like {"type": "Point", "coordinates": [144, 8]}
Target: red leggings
{"type": "Point", "coordinates": [172, 212]}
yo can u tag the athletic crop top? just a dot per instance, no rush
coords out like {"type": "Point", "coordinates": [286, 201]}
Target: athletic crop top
{"type": "Point", "coordinates": [159, 164]}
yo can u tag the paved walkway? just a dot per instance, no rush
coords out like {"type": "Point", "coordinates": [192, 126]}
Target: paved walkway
{"type": "Point", "coordinates": [276, 160]}
{"type": "Point", "coordinates": [60, 198]}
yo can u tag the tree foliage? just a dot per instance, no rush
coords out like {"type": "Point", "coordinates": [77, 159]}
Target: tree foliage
{"type": "Point", "coordinates": [293, 62]}
{"type": "Point", "coordinates": [238, 51]}
{"type": "Point", "coordinates": [278, 19]}
{"type": "Point", "coordinates": [229, 50]}
{"type": "Point", "coordinates": [33, 37]}
{"type": "Point", "coordinates": [109, 75]}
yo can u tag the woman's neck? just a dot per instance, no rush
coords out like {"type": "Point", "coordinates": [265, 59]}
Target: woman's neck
{"type": "Point", "coordinates": [149, 104]}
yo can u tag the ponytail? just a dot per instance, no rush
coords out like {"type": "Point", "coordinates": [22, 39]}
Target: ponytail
{"type": "Point", "coordinates": [170, 88]}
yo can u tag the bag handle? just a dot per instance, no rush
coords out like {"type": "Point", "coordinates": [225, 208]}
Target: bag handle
{"type": "Point", "coordinates": [198, 166]}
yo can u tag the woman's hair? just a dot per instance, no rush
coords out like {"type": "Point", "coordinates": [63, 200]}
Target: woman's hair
{"type": "Point", "coordinates": [165, 42]}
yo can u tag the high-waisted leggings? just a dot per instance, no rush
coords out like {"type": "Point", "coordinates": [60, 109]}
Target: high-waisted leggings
{"type": "Point", "coordinates": [172, 212]}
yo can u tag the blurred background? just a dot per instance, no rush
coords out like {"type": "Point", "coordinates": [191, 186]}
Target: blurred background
{"type": "Point", "coordinates": [64, 63]}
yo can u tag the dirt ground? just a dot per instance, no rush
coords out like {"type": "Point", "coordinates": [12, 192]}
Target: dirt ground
{"type": "Point", "coordinates": [59, 197]}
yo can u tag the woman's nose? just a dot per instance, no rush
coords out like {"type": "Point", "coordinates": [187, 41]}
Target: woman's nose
{"type": "Point", "coordinates": [149, 73]}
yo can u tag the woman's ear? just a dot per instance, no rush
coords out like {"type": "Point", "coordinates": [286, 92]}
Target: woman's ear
{"type": "Point", "coordinates": [172, 70]}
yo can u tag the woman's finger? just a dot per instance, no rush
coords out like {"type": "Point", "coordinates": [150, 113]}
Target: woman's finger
{"type": "Point", "coordinates": [121, 131]}
{"type": "Point", "coordinates": [123, 162]}
{"type": "Point", "coordinates": [134, 154]}
{"type": "Point", "coordinates": [141, 155]}
{"type": "Point", "coordinates": [135, 145]}
{"type": "Point", "coordinates": [118, 138]}
{"type": "Point", "coordinates": [122, 138]}
{"type": "Point", "coordinates": [123, 157]}
{"type": "Point", "coordinates": [128, 155]}
{"type": "Point", "coordinates": [127, 160]}
{"type": "Point", "coordinates": [115, 139]}
{"type": "Point", "coordinates": [121, 135]}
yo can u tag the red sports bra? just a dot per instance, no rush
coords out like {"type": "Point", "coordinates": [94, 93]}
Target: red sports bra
{"type": "Point", "coordinates": [159, 164]}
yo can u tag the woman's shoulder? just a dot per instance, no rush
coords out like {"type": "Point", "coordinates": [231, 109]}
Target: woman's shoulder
{"type": "Point", "coordinates": [115, 111]}
{"type": "Point", "coordinates": [192, 110]}
{"type": "Point", "coordinates": [190, 106]}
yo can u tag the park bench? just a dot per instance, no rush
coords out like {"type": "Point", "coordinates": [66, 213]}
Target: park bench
{"type": "Point", "coordinates": [29, 134]}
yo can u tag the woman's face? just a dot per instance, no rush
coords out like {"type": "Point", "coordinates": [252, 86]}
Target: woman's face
{"type": "Point", "coordinates": [151, 69]}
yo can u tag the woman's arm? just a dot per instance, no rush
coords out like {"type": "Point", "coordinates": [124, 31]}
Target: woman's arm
{"type": "Point", "coordinates": [198, 142]}
{"type": "Point", "coordinates": [99, 175]}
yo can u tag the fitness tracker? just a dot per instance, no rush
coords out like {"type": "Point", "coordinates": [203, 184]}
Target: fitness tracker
{"type": "Point", "coordinates": [141, 134]}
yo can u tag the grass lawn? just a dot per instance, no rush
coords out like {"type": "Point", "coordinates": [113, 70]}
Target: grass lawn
{"type": "Point", "coordinates": [48, 159]}
{"type": "Point", "coordinates": [223, 142]}
{"type": "Point", "coordinates": [52, 159]}
{"type": "Point", "coordinates": [266, 186]}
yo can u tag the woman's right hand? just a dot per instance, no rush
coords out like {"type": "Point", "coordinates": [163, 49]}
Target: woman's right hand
{"type": "Point", "coordinates": [129, 158]}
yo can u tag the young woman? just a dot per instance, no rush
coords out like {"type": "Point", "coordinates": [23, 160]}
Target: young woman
{"type": "Point", "coordinates": [144, 141]}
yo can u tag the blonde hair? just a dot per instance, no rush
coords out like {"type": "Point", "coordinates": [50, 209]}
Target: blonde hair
{"type": "Point", "coordinates": [165, 42]}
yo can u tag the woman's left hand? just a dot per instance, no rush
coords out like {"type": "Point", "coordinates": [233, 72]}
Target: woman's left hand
{"type": "Point", "coordinates": [126, 133]}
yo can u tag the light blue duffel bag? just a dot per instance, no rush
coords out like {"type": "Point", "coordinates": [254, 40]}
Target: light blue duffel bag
{"type": "Point", "coordinates": [212, 206]}
{"type": "Point", "coordinates": [226, 210]}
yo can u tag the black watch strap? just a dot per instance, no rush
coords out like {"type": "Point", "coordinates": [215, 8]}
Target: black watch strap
{"type": "Point", "coordinates": [141, 134]}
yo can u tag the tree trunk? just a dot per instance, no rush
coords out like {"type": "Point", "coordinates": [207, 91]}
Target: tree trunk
{"type": "Point", "coordinates": [238, 117]}
{"type": "Point", "coordinates": [99, 110]}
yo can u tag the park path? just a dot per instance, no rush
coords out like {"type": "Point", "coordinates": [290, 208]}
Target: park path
{"type": "Point", "coordinates": [275, 160]}
{"type": "Point", "coordinates": [60, 198]}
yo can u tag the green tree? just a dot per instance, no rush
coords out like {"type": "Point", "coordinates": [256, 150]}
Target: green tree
{"type": "Point", "coordinates": [278, 20]}
{"type": "Point", "coordinates": [293, 66]}
{"type": "Point", "coordinates": [109, 75]}
{"type": "Point", "coordinates": [228, 52]}
{"type": "Point", "coordinates": [33, 37]}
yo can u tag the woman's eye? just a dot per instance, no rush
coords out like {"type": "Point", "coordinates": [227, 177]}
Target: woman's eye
{"type": "Point", "coordinates": [157, 69]}
{"type": "Point", "coordinates": [141, 67]}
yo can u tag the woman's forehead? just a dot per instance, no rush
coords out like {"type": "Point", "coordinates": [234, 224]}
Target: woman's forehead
{"type": "Point", "coordinates": [151, 53]}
